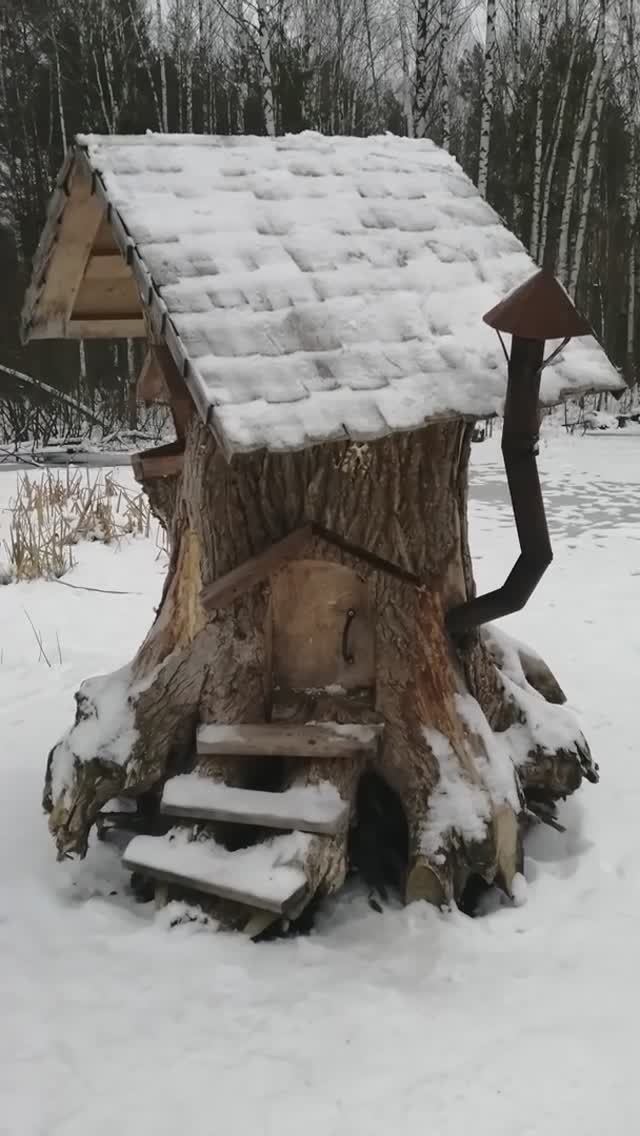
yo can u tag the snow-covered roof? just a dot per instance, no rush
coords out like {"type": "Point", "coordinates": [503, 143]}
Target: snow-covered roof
{"type": "Point", "coordinates": [322, 288]}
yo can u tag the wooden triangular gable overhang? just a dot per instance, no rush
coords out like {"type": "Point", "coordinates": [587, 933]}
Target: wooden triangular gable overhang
{"type": "Point", "coordinates": [83, 285]}
{"type": "Point", "coordinates": [90, 282]}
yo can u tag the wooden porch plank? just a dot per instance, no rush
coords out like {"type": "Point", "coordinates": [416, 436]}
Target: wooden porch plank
{"type": "Point", "coordinates": [268, 739]}
{"type": "Point", "coordinates": [312, 808]}
{"type": "Point", "coordinates": [249, 876]}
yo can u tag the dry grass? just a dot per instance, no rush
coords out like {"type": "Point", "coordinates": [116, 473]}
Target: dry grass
{"type": "Point", "coordinates": [50, 515]}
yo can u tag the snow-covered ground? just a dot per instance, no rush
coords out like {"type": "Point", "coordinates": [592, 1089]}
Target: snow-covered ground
{"type": "Point", "coordinates": [521, 1023]}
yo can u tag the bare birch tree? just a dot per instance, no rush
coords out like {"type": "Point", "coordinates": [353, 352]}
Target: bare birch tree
{"type": "Point", "coordinates": [539, 55]}
{"type": "Point", "coordinates": [589, 169]}
{"type": "Point", "coordinates": [488, 82]}
{"type": "Point", "coordinates": [588, 109]}
{"type": "Point", "coordinates": [163, 66]}
{"type": "Point", "coordinates": [266, 72]}
{"type": "Point", "coordinates": [553, 149]}
{"type": "Point", "coordinates": [421, 95]}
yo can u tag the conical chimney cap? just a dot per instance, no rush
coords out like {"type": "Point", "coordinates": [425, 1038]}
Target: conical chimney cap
{"type": "Point", "coordinates": [538, 309]}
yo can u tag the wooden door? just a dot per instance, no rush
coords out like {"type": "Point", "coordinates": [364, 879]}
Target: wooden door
{"type": "Point", "coordinates": [322, 632]}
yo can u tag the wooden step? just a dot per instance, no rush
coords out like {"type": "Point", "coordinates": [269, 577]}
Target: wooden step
{"type": "Point", "coordinates": [310, 808]}
{"type": "Point", "coordinates": [275, 739]}
{"type": "Point", "coordinates": [266, 875]}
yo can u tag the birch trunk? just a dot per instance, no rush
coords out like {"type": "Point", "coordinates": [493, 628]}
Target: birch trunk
{"type": "Point", "coordinates": [632, 274]}
{"type": "Point", "coordinates": [553, 156]}
{"type": "Point", "coordinates": [445, 31]}
{"type": "Point", "coordinates": [132, 397]}
{"type": "Point", "coordinates": [144, 55]}
{"type": "Point", "coordinates": [488, 82]}
{"type": "Point", "coordinates": [632, 191]}
{"type": "Point", "coordinates": [61, 119]}
{"type": "Point", "coordinates": [590, 101]}
{"type": "Point", "coordinates": [163, 67]}
{"type": "Point", "coordinates": [534, 238]}
{"type": "Point", "coordinates": [266, 74]}
{"type": "Point", "coordinates": [421, 94]}
{"type": "Point", "coordinates": [407, 102]}
{"type": "Point", "coordinates": [589, 175]}
{"type": "Point", "coordinates": [372, 64]}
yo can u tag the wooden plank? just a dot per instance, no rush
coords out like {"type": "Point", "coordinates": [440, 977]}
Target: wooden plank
{"type": "Point", "coordinates": [322, 629]}
{"type": "Point", "coordinates": [273, 739]}
{"type": "Point", "coordinates": [76, 233]}
{"type": "Point", "coordinates": [310, 808]}
{"type": "Point", "coordinates": [104, 299]}
{"type": "Point", "coordinates": [109, 328]}
{"type": "Point", "coordinates": [227, 588]}
{"type": "Point", "coordinates": [107, 266]}
{"type": "Point", "coordinates": [105, 242]}
{"type": "Point", "coordinates": [249, 877]}
{"type": "Point", "coordinates": [162, 461]}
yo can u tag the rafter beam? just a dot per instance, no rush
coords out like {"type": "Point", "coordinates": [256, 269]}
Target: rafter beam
{"type": "Point", "coordinates": [113, 327]}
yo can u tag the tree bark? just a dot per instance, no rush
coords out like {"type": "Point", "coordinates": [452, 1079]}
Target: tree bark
{"type": "Point", "coordinates": [462, 742]}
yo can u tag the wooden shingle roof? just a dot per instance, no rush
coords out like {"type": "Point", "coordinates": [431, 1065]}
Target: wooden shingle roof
{"type": "Point", "coordinates": [314, 288]}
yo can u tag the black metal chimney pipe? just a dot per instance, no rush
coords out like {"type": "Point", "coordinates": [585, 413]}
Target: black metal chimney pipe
{"type": "Point", "coordinates": [519, 448]}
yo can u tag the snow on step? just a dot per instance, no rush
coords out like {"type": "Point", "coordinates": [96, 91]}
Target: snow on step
{"type": "Point", "coordinates": [273, 739]}
{"type": "Point", "coordinates": [119, 806]}
{"type": "Point", "coordinates": [311, 808]}
{"type": "Point", "coordinates": [266, 875]}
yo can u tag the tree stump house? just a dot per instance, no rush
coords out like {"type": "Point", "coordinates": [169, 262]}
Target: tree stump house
{"type": "Point", "coordinates": [320, 689]}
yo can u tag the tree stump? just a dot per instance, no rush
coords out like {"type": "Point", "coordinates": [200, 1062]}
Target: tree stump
{"type": "Point", "coordinates": [471, 728]}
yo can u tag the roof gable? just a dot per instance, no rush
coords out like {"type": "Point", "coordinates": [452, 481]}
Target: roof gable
{"type": "Point", "coordinates": [314, 288]}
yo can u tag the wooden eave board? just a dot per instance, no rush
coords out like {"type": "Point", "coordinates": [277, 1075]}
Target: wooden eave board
{"type": "Point", "coordinates": [268, 739]}
{"type": "Point", "coordinates": [205, 867]}
{"type": "Point", "coordinates": [161, 461]}
{"type": "Point", "coordinates": [311, 808]}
